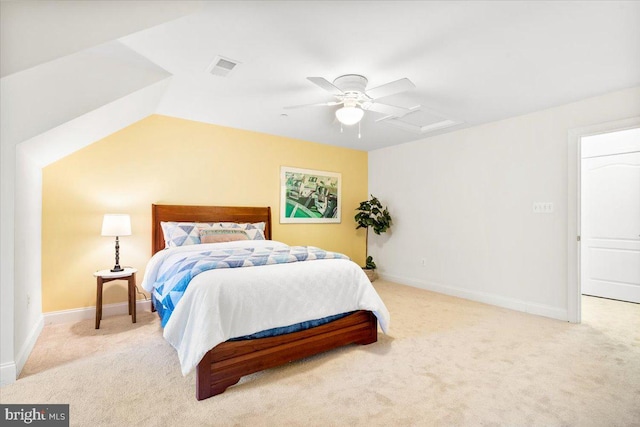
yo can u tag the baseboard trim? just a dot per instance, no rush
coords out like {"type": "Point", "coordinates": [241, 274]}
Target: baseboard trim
{"type": "Point", "coordinates": [79, 314]}
{"type": "Point", "coordinates": [483, 297]}
{"type": "Point", "coordinates": [28, 345]}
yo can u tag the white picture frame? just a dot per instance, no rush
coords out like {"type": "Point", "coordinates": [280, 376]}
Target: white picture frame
{"type": "Point", "coordinates": [309, 196]}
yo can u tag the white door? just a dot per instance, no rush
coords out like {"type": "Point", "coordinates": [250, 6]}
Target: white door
{"type": "Point", "coordinates": [610, 205]}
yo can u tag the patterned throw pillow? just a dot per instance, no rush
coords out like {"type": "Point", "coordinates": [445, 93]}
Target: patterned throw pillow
{"type": "Point", "coordinates": [220, 234]}
{"type": "Point", "coordinates": [180, 234]}
{"type": "Point", "coordinates": [255, 231]}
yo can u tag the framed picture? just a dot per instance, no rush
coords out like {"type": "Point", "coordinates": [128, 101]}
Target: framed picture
{"type": "Point", "coordinates": [309, 196]}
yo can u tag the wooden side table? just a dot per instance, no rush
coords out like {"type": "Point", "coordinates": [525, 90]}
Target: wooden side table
{"type": "Point", "coordinates": [104, 276]}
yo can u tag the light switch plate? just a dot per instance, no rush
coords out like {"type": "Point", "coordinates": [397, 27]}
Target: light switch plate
{"type": "Point", "coordinates": [543, 207]}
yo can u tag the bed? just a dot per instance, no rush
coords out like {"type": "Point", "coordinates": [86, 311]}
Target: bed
{"type": "Point", "coordinates": [226, 362]}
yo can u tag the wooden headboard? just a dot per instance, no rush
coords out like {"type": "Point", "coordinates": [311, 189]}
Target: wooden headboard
{"type": "Point", "coordinates": [186, 213]}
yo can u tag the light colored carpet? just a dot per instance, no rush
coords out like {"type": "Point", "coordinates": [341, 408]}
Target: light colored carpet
{"type": "Point", "coordinates": [447, 362]}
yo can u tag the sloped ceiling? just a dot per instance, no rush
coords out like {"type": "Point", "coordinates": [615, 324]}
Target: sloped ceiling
{"type": "Point", "coordinates": [35, 32]}
{"type": "Point", "coordinates": [61, 90]}
{"type": "Point", "coordinates": [471, 62]}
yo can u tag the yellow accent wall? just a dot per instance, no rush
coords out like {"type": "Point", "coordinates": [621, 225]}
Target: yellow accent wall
{"type": "Point", "coordinates": [168, 160]}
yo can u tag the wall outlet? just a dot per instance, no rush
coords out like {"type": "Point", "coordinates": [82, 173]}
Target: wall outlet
{"type": "Point", "coordinates": [543, 207]}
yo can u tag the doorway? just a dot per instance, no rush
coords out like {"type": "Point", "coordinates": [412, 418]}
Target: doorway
{"type": "Point", "coordinates": [574, 210]}
{"type": "Point", "coordinates": [610, 215]}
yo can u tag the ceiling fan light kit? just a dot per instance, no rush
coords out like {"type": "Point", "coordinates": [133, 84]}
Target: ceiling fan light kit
{"type": "Point", "coordinates": [349, 115]}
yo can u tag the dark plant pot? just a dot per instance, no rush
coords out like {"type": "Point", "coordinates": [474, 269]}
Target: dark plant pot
{"type": "Point", "coordinates": [371, 274]}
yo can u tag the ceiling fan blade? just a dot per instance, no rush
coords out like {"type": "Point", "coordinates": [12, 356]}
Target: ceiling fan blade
{"type": "Point", "coordinates": [326, 85]}
{"type": "Point", "coordinates": [388, 110]}
{"type": "Point", "coordinates": [321, 104]}
{"type": "Point", "coordinates": [390, 88]}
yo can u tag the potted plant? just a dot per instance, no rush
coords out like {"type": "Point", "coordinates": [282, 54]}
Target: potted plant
{"type": "Point", "coordinates": [371, 214]}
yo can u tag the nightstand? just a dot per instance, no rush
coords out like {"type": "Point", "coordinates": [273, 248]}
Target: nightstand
{"type": "Point", "coordinates": [104, 276]}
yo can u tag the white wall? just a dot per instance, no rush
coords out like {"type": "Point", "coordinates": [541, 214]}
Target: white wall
{"type": "Point", "coordinates": [462, 202]}
{"type": "Point", "coordinates": [27, 306]}
{"type": "Point", "coordinates": [8, 370]}
{"type": "Point", "coordinates": [21, 165]}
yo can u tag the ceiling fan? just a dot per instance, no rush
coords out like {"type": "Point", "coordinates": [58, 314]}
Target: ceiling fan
{"type": "Point", "coordinates": [350, 92]}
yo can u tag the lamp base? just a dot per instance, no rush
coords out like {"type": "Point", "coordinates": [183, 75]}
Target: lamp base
{"type": "Point", "coordinates": [116, 268]}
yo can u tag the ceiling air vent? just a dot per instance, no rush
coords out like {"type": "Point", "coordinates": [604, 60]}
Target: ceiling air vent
{"type": "Point", "coordinates": [222, 66]}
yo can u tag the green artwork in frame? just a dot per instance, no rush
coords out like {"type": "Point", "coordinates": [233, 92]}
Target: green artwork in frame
{"type": "Point", "coordinates": [309, 196]}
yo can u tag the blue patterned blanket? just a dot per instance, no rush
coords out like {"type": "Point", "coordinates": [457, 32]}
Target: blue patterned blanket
{"type": "Point", "coordinates": [172, 283]}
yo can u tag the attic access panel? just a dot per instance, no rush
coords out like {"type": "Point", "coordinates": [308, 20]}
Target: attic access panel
{"type": "Point", "coordinates": [421, 121]}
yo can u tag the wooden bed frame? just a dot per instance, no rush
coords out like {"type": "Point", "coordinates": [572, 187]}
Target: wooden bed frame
{"type": "Point", "coordinates": [225, 364]}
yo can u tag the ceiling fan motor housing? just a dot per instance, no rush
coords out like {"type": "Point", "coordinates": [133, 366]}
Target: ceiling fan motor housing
{"type": "Point", "coordinates": [351, 83]}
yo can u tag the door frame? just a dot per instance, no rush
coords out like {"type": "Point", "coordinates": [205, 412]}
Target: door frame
{"type": "Point", "coordinates": [574, 291]}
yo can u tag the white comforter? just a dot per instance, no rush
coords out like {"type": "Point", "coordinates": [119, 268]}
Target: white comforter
{"type": "Point", "coordinates": [233, 302]}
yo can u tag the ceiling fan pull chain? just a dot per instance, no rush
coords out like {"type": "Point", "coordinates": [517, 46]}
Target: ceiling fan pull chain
{"type": "Point", "coordinates": [341, 130]}
{"type": "Point", "coordinates": [359, 135]}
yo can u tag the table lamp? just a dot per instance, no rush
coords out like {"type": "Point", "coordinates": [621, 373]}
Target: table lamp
{"type": "Point", "coordinates": [116, 225]}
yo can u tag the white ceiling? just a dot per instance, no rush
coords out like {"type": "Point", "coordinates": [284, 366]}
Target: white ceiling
{"type": "Point", "coordinates": [471, 62]}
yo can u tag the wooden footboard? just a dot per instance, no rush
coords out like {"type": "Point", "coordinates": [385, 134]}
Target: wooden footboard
{"type": "Point", "coordinates": [224, 365]}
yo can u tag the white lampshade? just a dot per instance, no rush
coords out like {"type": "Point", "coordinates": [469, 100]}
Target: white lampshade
{"type": "Point", "coordinates": [349, 115]}
{"type": "Point", "coordinates": [116, 225]}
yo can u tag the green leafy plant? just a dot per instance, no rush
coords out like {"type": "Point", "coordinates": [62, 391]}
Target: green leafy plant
{"type": "Point", "coordinates": [371, 214]}
{"type": "Point", "coordinates": [370, 264]}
